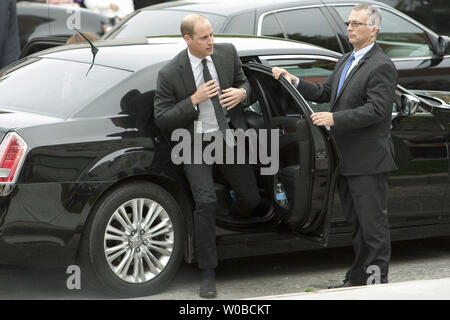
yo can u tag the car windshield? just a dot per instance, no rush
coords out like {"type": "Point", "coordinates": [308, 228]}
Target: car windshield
{"type": "Point", "coordinates": [54, 87]}
{"type": "Point", "coordinates": [158, 22]}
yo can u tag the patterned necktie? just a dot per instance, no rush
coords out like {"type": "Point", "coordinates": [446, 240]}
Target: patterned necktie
{"type": "Point", "coordinates": [218, 109]}
{"type": "Point", "coordinates": [344, 73]}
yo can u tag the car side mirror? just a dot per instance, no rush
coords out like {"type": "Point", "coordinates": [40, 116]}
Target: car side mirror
{"type": "Point", "coordinates": [409, 104]}
{"type": "Point", "coordinates": [443, 45]}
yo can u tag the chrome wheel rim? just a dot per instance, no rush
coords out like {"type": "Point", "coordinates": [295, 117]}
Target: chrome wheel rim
{"type": "Point", "coordinates": [138, 240]}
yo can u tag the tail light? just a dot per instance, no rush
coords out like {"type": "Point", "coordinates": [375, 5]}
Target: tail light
{"type": "Point", "coordinates": [12, 153]}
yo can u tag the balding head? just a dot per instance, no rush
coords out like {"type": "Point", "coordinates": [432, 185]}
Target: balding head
{"type": "Point", "coordinates": [189, 22]}
{"type": "Point", "coordinates": [198, 34]}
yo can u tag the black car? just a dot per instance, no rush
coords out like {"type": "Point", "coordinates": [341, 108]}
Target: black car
{"type": "Point", "coordinates": [43, 20]}
{"type": "Point", "coordinates": [432, 13]}
{"type": "Point", "coordinates": [421, 56]}
{"type": "Point", "coordinates": [87, 178]}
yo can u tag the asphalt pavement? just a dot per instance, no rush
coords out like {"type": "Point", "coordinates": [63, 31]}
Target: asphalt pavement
{"type": "Point", "coordinates": [420, 269]}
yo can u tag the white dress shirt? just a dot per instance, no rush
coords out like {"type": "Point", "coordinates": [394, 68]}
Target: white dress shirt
{"type": "Point", "coordinates": [359, 55]}
{"type": "Point", "coordinates": [207, 115]}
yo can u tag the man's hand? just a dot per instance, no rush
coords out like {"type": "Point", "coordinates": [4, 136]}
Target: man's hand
{"type": "Point", "coordinates": [205, 92]}
{"type": "Point", "coordinates": [231, 97]}
{"type": "Point", "coordinates": [277, 72]}
{"type": "Point", "coordinates": [322, 119]}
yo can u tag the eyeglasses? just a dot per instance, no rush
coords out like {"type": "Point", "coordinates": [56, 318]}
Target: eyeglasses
{"type": "Point", "coordinates": [357, 24]}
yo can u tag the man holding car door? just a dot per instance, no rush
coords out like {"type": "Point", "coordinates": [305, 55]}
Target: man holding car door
{"type": "Point", "coordinates": [361, 95]}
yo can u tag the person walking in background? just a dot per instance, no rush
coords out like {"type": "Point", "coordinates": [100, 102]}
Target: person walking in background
{"type": "Point", "coordinates": [114, 9]}
{"type": "Point", "coordinates": [9, 33]}
{"type": "Point", "coordinates": [361, 93]}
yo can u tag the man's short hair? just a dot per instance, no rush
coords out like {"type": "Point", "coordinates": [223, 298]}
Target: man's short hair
{"type": "Point", "coordinates": [188, 23]}
{"type": "Point", "coordinates": [373, 14]}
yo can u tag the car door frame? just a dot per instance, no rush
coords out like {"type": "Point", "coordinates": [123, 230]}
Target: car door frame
{"type": "Point", "coordinates": [341, 39]}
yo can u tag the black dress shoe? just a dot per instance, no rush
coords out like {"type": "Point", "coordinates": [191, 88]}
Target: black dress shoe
{"type": "Point", "coordinates": [208, 284]}
{"type": "Point", "coordinates": [346, 284]}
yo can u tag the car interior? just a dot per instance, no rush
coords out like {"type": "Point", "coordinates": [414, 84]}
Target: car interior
{"type": "Point", "coordinates": [273, 107]}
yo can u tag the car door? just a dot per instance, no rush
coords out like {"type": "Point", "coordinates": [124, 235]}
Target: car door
{"type": "Point", "coordinates": [411, 47]}
{"type": "Point", "coordinates": [441, 113]}
{"type": "Point", "coordinates": [308, 160]}
{"type": "Point", "coordinates": [417, 188]}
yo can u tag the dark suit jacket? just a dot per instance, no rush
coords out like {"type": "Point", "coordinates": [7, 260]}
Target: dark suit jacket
{"type": "Point", "coordinates": [9, 33]}
{"type": "Point", "coordinates": [362, 111]}
{"type": "Point", "coordinates": [176, 84]}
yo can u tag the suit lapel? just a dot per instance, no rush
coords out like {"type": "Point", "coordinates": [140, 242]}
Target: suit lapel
{"type": "Point", "coordinates": [349, 76]}
{"type": "Point", "coordinates": [339, 71]}
{"type": "Point", "coordinates": [186, 73]}
{"type": "Point", "coordinates": [352, 72]}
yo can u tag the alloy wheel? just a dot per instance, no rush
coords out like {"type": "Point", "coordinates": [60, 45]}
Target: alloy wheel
{"type": "Point", "coordinates": [138, 240]}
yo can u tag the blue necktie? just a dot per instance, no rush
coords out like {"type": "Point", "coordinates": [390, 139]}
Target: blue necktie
{"type": "Point", "coordinates": [344, 72]}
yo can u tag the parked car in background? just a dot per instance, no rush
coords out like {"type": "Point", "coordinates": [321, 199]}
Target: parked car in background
{"type": "Point", "coordinates": [421, 56]}
{"type": "Point", "coordinates": [87, 178]}
{"type": "Point", "coordinates": [42, 20]}
{"type": "Point", "coordinates": [432, 13]}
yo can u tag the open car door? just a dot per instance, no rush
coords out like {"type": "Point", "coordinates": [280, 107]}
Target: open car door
{"type": "Point", "coordinates": [309, 162]}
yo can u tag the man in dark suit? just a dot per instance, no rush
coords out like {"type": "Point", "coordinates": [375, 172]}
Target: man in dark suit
{"type": "Point", "coordinates": [187, 95]}
{"type": "Point", "coordinates": [9, 33]}
{"type": "Point", "coordinates": [361, 95]}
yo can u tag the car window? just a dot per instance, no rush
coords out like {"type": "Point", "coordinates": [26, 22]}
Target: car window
{"type": "Point", "coordinates": [54, 87]}
{"type": "Point", "coordinates": [312, 70]}
{"type": "Point", "coordinates": [270, 27]}
{"type": "Point", "coordinates": [242, 24]}
{"type": "Point", "coordinates": [398, 37]}
{"type": "Point", "coordinates": [309, 25]}
{"type": "Point", "coordinates": [115, 101]}
{"type": "Point", "coordinates": [274, 96]}
{"type": "Point", "coordinates": [158, 22]}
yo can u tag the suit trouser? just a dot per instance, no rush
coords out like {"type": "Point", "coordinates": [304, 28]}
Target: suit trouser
{"type": "Point", "coordinates": [364, 201]}
{"type": "Point", "coordinates": [200, 176]}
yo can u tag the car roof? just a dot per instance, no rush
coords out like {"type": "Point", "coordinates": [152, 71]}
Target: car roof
{"type": "Point", "coordinates": [136, 54]}
{"type": "Point", "coordinates": [230, 7]}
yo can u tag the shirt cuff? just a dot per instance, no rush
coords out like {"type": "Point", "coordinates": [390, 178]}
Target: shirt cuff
{"type": "Point", "coordinates": [297, 83]}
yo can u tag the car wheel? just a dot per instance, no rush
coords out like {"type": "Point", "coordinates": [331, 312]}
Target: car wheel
{"type": "Point", "coordinates": [134, 241]}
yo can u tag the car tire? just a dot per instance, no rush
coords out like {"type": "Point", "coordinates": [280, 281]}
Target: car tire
{"type": "Point", "coordinates": [132, 255]}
